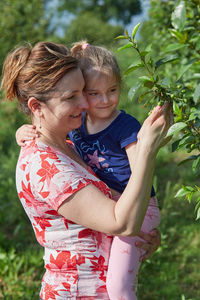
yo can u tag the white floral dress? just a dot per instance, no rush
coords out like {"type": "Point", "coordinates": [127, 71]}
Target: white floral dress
{"type": "Point", "coordinates": [75, 257]}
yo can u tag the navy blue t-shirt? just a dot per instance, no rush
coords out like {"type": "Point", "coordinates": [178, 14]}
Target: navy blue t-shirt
{"type": "Point", "coordinates": [105, 151]}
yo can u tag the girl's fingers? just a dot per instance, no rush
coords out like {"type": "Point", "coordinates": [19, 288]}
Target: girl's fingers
{"type": "Point", "coordinates": [26, 133]}
{"type": "Point", "coordinates": [31, 134]}
{"type": "Point", "coordinates": [21, 144]}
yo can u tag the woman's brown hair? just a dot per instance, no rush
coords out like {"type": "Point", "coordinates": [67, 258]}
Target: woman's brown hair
{"type": "Point", "coordinates": [34, 71]}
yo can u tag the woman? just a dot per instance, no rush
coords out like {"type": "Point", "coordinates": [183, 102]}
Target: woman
{"type": "Point", "coordinates": [70, 209]}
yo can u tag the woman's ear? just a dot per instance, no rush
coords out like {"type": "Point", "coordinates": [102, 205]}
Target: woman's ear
{"type": "Point", "coordinates": [34, 105]}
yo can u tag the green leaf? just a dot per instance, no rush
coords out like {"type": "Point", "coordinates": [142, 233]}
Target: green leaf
{"type": "Point", "coordinates": [198, 44]}
{"type": "Point", "coordinates": [148, 84]}
{"type": "Point", "coordinates": [196, 163]}
{"type": "Point", "coordinates": [184, 141]}
{"type": "Point", "coordinates": [182, 192]}
{"type": "Point", "coordinates": [196, 94]}
{"type": "Point", "coordinates": [174, 47]}
{"type": "Point", "coordinates": [197, 208]}
{"type": "Point", "coordinates": [148, 48]}
{"type": "Point", "coordinates": [194, 114]}
{"type": "Point", "coordinates": [166, 82]}
{"type": "Point", "coordinates": [144, 53]}
{"type": "Point", "coordinates": [133, 68]}
{"type": "Point", "coordinates": [198, 213]}
{"type": "Point", "coordinates": [126, 33]}
{"type": "Point", "coordinates": [128, 45]}
{"type": "Point", "coordinates": [121, 37]}
{"type": "Point", "coordinates": [176, 128]}
{"type": "Point", "coordinates": [192, 157]}
{"type": "Point", "coordinates": [189, 188]}
{"type": "Point", "coordinates": [135, 29]}
{"type": "Point", "coordinates": [176, 34]}
{"type": "Point", "coordinates": [133, 90]}
{"type": "Point", "coordinates": [175, 145]}
{"type": "Point", "coordinates": [178, 16]}
{"type": "Point", "coordinates": [145, 78]}
{"type": "Point", "coordinates": [175, 108]}
{"type": "Point", "coordinates": [184, 68]}
{"type": "Point", "coordinates": [166, 59]}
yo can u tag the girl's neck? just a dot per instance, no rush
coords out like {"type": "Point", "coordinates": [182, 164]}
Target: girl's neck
{"type": "Point", "coordinates": [94, 125]}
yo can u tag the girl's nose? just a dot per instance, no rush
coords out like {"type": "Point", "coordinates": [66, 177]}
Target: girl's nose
{"type": "Point", "coordinates": [104, 98]}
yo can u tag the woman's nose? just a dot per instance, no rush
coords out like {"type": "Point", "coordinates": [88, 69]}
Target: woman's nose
{"type": "Point", "coordinates": [83, 102]}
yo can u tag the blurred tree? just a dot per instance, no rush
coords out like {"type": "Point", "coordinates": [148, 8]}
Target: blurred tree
{"type": "Point", "coordinates": [120, 11]}
{"type": "Point", "coordinates": [21, 21]}
{"type": "Point", "coordinates": [90, 27]}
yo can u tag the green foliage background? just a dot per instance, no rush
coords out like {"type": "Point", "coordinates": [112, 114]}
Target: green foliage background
{"type": "Point", "coordinates": [173, 271]}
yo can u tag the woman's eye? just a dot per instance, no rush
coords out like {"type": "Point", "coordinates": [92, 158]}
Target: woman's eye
{"type": "Point", "coordinates": [70, 98]}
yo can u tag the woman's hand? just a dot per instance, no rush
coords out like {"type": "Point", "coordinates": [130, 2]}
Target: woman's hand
{"type": "Point", "coordinates": [26, 133]}
{"type": "Point", "coordinates": [151, 243]}
{"type": "Point", "coordinates": [154, 129]}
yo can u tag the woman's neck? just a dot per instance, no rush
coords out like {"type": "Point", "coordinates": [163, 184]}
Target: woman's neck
{"type": "Point", "coordinates": [55, 142]}
{"type": "Point", "coordinates": [94, 125]}
{"type": "Point", "coordinates": [61, 145]}
{"type": "Point", "coordinates": [52, 138]}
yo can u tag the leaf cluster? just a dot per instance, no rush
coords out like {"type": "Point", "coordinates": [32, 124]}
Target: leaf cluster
{"type": "Point", "coordinates": [172, 75]}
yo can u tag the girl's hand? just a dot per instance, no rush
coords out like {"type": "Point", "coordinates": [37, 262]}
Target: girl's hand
{"type": "Point", "coordinates": [26, 133]}
{"type": "Point", "coordinates": [151, 243]}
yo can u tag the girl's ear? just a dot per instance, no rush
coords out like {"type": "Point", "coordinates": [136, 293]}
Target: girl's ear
{"type": "Point", "coordinates": [34, 105]}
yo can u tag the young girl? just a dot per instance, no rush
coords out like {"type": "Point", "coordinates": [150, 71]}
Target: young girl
{"type": "Point", "coordinates": [104, 141]}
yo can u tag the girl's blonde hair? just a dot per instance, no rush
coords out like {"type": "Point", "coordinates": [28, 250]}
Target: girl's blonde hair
{"type": "Point", "coordinates": [95, 57]}
{"type": "Point", "coordinates": [34, 71]}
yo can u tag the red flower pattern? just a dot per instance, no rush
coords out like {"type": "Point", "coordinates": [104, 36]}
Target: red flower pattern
{"type": "Point", "coordinates": [50, 292]}
{"type": "Point", "coordinates": [47, 171]}
{"type": "Point", "coordinates": [40, 198]}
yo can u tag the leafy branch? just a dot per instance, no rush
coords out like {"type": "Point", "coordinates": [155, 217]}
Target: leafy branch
{"type": "Point", "coordinates": [182, 89]}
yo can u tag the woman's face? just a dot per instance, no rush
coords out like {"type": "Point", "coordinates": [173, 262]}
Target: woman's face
{"type": "Point", "coordinates": [62, 112]}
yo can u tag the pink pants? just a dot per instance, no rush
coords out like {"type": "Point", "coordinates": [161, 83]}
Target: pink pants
{"type": "Point", "coordinates": [124, 259]}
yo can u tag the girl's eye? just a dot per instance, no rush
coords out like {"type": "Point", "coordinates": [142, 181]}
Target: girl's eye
{"type": "Point", "coordinates": [113, 90]}
{"type": "Point", "coordinates": [92, 94]}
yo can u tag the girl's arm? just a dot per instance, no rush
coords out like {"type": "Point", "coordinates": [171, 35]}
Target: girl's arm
{"type": "Point", "coordinates": [90, 208]}
{"type": "Point", "coordinates": [26, 133]}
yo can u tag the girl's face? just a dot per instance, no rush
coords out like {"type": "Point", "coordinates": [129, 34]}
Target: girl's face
{"type": "Point", "coordinates": [102, 93]}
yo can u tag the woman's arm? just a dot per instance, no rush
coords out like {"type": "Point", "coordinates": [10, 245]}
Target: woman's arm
{"type": "Point", "coordinates": [91, 209]}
